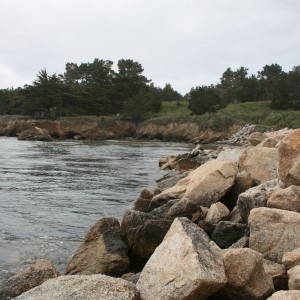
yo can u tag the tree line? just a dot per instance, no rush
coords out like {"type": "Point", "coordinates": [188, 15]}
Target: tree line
{"type": "Point", "coordinates": [271, 83]}
{"type": "Point", "coordinates": [97, 89]}
{"type": "Point", "coordinates": [88, 89]}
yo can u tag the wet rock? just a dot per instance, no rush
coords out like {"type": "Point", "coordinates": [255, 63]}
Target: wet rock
{"type": "Point", "coordinates": [103, 251]}
{"type": "Point", "coordinates": [288, 199]}
{"type": "Point", "coordinates": [272, 232]}
{"type": "Point", "coordinates": [246, 276]}
{"type": "Point", "coordinates": [255, 197]}
{"type": "Point", "coordinates": [186, 250]}
{"type": "Point", "coordinates": [25, 280]}
{"type": "Point", "coordinates": [143, 201]}
{"type": "Point", "coordinates": [161, 212]}
{"type": "Point", "coordinates": [132, 220]}
{"type": "Point", "coordinates": [217, 212]}
{"type": "Point", "coordinates": [227, 233]}
{"type": "Point", "coordinates": [87, 287]}
{"type": "Point", "coordinates": [146, 239]}
{"type": "Point", "coordinates": [171, 179]}
{"type": "Point", "coordinates": [261, 163]}
{"type": "Point", "coordinates": [35, 134]}
{"type": "Point", "coordinates": [289, 159]}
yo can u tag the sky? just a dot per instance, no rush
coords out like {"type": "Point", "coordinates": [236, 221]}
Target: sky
{"type": "Point", "coordinates": [186, 43]}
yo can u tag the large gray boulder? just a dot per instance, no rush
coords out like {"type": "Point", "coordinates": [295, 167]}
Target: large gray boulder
{"type": "Point", "coordinates": [25, 280]}
{"type": "Point", "coordinates": [273, 232]}
{"type": "Point", "coordinates": [246, 275]}
{"type": "Point", "coordinates": [186, 265]}
{"type": "Point", "coordinates": [102, 252]}
{"type": "Point", "coordinates": [83, 287]}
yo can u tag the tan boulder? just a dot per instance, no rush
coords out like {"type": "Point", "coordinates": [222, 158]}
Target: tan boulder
{"type": "Point", "coordinates": [203, 186]}
{"type": "Point", "coordinates": [260, 162]}
{"type": "Point", "coordinates": [246, 276]}
{"type": "Point", "coordinates": [288, 199]}
{"type": "Point", "coordinates": [217, 212]}
{"type": "Point", "coordinates": [285, 295]}
{"type": "Point", "coordinates": [256, 138]}
{"type": "Point", "coordinates": [25, 280]}
{"type": "Point", "coordinates": [35, 134]}
{"type": "Point", "coordinates": [291, 259]}
{"type": "Point", "coordinates": [102, 252]}
{"type": "Point", "coordinates": [272, 232]}
{"type": "Point", "coordinates": [186, 265]}
{"type": "Point", "coordinates": [289, 159]}
{"type": "Point", "coordinates": [268, 142]}
{"type": "Point", "coordinates": [294, 278]}
{"type": "Point", "coordinates": [83, 287]}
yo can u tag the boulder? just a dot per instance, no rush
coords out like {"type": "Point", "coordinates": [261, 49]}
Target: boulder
{"type": "Point", "coordinates": [102, 252]}
{"type": "Point", "coordinates": [183, 208]}
{"type": "Point", "coordinates": [272, 232]}
{"type": "Point", "coordinates": [186, 265]}
{"type": "Point", "coordinates": [260, 162]}
{"type": "Point", "coordinates": [227, 233]}
{"type": "Point", "coordinates": [246, 276]}
{"type": "Point", "coordinates": [255, 197]}
{"type": "Point", "coordinates": [87, 287]}
{"type": "Point", "coordinates": [217, 212]}
{"type": "Point", "coordinates": [256, 138]}
{"type": "Point", "coordinates": [25, 280]}
{"type": "Point", "coordinates": [147, 238]}
{"type": "Point", "coordinates": [289, 159]}
{"type": "Point", "coordinates": [231, 154]}
{"type": "Point", "coordinates": [143, 201]}
{"type": "Point", "coordinates": [291, 259]}
{"type": "Point", "coordinates": [161, 211]}
{"type": "Point", "coordinates": [288, 199]}
{"type": "Point", "coordinates": [294, 278]}
{"type": "Point", "coordinates": [278, 274]}
{"type": "Point", "coordinates": [268, 142]}
{"type": "Point", "coordinates": [132, 220]}
{"type": "Point", "coordinates": [170, 179]}
{"type": "Point", "coordinates": [203, 186]}
{"type": "Point", "coordinates": [35, 134]}
{"type": "Point", "coordinates": [241, 243]}
{"type": "Point", "coordinates": [285, 295]}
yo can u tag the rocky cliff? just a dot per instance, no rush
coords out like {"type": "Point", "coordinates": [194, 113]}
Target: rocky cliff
{"type": "Point", "coordinates": [117, 129]}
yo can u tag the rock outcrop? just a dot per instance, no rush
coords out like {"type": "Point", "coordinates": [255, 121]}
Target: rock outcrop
{"type": "Point", "coordinates": [35, 134]}
{"type": "Point", "coordinates": [186, 265]}
{"type": "Point", "coordinates": [25, 280]}
{"type": "Point", "coordinates": [103, 251]}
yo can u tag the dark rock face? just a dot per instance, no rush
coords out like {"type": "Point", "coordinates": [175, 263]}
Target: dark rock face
{"type": "Point", "coordinates": [146, 239]}
{"type": "Point", "coordinates": [255, 197]}
{"type": "Point", "coordinates": [227, 233]}
{"type": "Point", "coordinates": [183, 208]}
{"type": "Point", "coordinates": [23, 281]}
{"type": "Point", "coordinates": [103, 251]}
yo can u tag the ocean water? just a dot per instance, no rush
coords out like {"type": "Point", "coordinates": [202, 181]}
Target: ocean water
{"type": "Point", "coordinates": [51, 193]}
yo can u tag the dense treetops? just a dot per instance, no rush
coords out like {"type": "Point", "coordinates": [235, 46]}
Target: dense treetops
{"type": "Point", "coordinates": [97, 89]}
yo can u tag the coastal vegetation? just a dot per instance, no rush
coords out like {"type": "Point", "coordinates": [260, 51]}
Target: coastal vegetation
{"type": "Point", "coordinates": [97, 89]}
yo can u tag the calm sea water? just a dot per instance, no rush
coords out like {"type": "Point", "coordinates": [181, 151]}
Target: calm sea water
{"type": "Point", "coordinates": [52, 192]}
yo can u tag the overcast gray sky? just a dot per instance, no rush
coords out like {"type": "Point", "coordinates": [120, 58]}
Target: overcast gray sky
{"type": "Point", "coordinates": [183, 42]}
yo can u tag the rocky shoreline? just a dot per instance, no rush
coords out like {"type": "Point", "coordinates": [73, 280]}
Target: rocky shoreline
{"type": "Point", "coordinates": [222, 224]}
{"type": "Point", "coordinates": [46, 130]}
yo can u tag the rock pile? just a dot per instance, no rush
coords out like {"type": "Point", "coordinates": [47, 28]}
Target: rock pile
{"type": "Point", "coordinates": [228, 229]}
